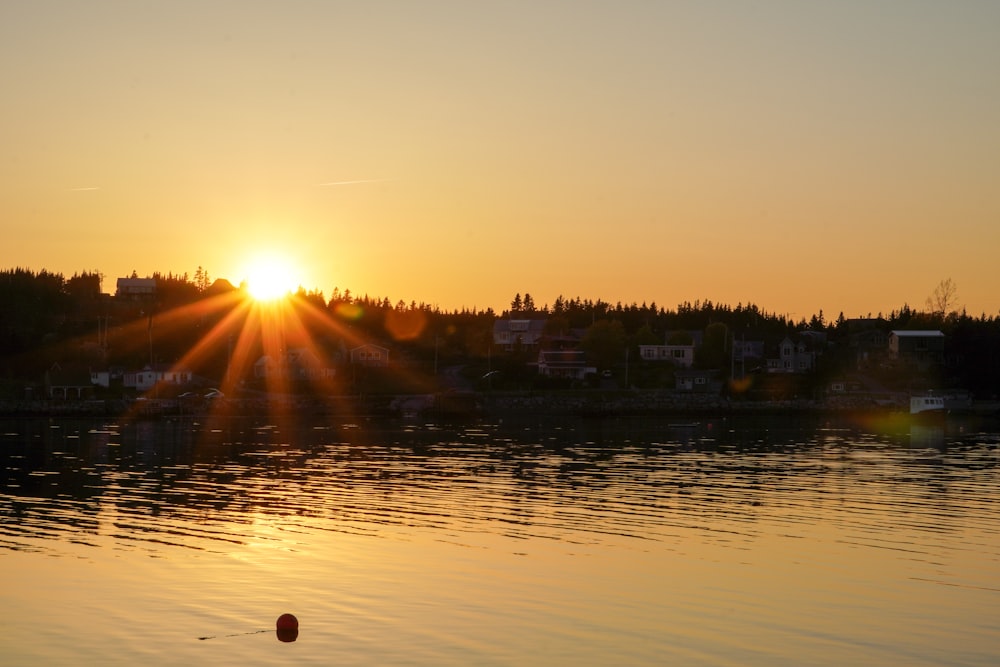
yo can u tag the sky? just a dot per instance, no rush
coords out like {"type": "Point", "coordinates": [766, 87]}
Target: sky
{"type": "Point", "coordinates": [803, 156]}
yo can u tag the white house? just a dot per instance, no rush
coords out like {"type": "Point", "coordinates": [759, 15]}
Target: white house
{"type": "Point", "coordinates": [150, 376]}
{"type": "Point", "coordinates": [510, 333]}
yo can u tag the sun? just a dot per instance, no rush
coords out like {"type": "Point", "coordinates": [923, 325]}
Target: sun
{"type": "Point", "coordinates": [270, 277]}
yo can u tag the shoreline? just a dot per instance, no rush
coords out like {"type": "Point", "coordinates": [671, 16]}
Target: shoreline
{"type": "Point", "coordinates": [476, 405]}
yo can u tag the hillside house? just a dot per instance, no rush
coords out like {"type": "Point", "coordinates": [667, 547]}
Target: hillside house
{"type": "Point", "coordinates": [916, 347]}
{"type": "Point", "coordinates": [564, 364]}
{"type": "Point", "coordinates": [867, 340]}
{"type": "Point", "coordinates": [681, 356]}
{"type": "Point", "coordinates": [299, 363]}
{"type": "Point", "coordinates": [136, 289]}
{"type": "Point", "coordinates": [510, 334]}
{"type": "Point", "coordinates": [792, 357]}
{"type": "Point", "coordinates": [697, 381]}
{"type": "Point", "coordinates": [150, 376]}
{"type": "Point", "coordinates": [68, 383]}
{"type": "Point", "coordinates": [370, 355]}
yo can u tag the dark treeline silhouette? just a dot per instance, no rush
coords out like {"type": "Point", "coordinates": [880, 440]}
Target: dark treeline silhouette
{"type": "Point", "coordinates": [47, 318]}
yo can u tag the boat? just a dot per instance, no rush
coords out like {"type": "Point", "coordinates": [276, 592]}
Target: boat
{"type": "Point", "coordinates": [927, 405]}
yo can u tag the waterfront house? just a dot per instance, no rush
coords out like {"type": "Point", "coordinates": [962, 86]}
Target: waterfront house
{"type": "Point", "coordinates": [793, 356]}
{"type": "Point", "coordinates": [679, 355]}
{"type": "Point", "coordinates": [917, 347]}
{"type": "Point", "coordinates": [564, 364]}
{"type": "Point", "coordinates": [510, 334]}
{"type": "Point", "coordinates": [370, 355]}
{"type": "Point", "coordinates": [699, 381]}
{"type": "Point", "coordinates": [297, 363]}
{"type": "Point", "coordinates": [68, 383]}
{"type": "Point", "coordinates": [150, 376]}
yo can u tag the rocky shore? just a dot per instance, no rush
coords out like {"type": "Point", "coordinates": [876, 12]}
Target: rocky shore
{"type": "Point", "coordinates": [584, 404]}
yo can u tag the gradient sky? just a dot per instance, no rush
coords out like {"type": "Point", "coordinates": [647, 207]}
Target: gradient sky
{"type": "Point", "coordinates": [801, 155]}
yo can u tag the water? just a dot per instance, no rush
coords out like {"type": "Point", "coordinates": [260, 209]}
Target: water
{"type": "Point", "coordinates": [515, 542]}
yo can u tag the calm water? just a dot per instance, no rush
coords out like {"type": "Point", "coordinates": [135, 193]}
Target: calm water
{"type": "Point", "coordinates": [606, 542]}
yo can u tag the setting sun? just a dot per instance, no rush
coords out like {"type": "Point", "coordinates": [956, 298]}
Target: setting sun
{"type": "Point", "coordinates": [269, 278]}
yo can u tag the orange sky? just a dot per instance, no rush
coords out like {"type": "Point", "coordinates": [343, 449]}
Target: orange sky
{"type": "Point", "coordinates": [803, 156]}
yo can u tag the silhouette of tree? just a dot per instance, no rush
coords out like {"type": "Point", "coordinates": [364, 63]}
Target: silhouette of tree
{"type": "Point", "coordinates": [943, 299]}
{"type": "Point", "coordinates": [516, 305]}
{"type": "Point", "coordinates": [604, 343]}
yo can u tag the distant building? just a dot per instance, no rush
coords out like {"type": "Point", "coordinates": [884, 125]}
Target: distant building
{"type": "Point", "coordinates": [697, 381]}
{"type": "Point", "coordinates": [370, 354]}
{"type": "Point", "coordinates": [793, 356]}
{"type": "Point", "coordinates": [917, 347]}
{"type": "Point", "coordinates": [298, 363]}
{"type": "Point", "coordinates": [136, 288]}
{"type": "Point", "coordinates": [564, 364]}
{"type": "Point", "coordinates": [510, 333]}
{"type": "Point", "coordinates": [679, 355]}
{"type": "Point", "coordinates": [150, 376]}
{"type": "Point", "coordinates": [68, 383]}
{"type": "Point", "coordinates": [868, 340]}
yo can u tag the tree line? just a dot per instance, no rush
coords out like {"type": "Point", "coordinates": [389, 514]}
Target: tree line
{"type": "Point", "coordinates": [47, 318]}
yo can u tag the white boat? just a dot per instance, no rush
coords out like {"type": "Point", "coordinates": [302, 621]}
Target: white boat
{"type": "Point", "coordinates": [927, 405]}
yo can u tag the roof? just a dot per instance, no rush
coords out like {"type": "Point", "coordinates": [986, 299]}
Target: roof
{"type": "Point", "coordinates": [519, 324]}
{"type": "Point", "coordinates": [136, 282]}
{"type": "Point", "coordinates": [360, 347]}
{"type": "Point", "coordinates": [916, 333]}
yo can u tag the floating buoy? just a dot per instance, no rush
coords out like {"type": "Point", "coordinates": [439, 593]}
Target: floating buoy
{"type": "Point", "coordinates": [287, 628]}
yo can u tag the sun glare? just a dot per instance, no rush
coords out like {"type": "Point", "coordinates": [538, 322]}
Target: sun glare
{"type": "Point", "coordinates": [270, 278]}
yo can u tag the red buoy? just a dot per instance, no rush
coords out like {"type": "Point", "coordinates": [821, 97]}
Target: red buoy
{"type": "Point", "coordinates": [287, 622]}
{"type": "Point", "coordinates": [287, 628]}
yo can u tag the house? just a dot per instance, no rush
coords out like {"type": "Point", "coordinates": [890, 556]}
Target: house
{"type": "Point", "coordinates": [298, 363]}
{"type": "Point", "coordinates": [793, 356]}
{"type": "Point", "coordinates": [564, 364]}
{"type": "Point", "coordinates": [748, 350]}
{"type": "Point", "coordinates": [679, 355]}
{"type": "Point", "coordinates": [100, 378]}
{"type": "Point", "coordinates": [917, 347]}
{"type": "Point", "coordinates": [510, 333]}
{"type": "Point", "coordinates": [150, 376]}
{"type": "Point", "coordinates": [68, 383]}
{"type": "Point", "coordinates": [678, 349]}
{"type": "Point", "coordinates": [136, 288]}
{"type": "Point", "coordinates": [104, 377]}
{"type": "Point", "coordinates": [697, 381]}
{"type": "Point", "coordinates": [370, 354]}
{"type": "Point", "coordinates": [867, 340]}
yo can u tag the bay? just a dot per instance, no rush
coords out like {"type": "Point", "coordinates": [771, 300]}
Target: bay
{"type": "Point", "coordinates": [516, 541]}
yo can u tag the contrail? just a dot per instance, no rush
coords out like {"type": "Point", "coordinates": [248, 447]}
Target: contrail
{"type": "Point", "coordinates": [83, 189]}
{"type": "Point", "coordinates": [363, 180]}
